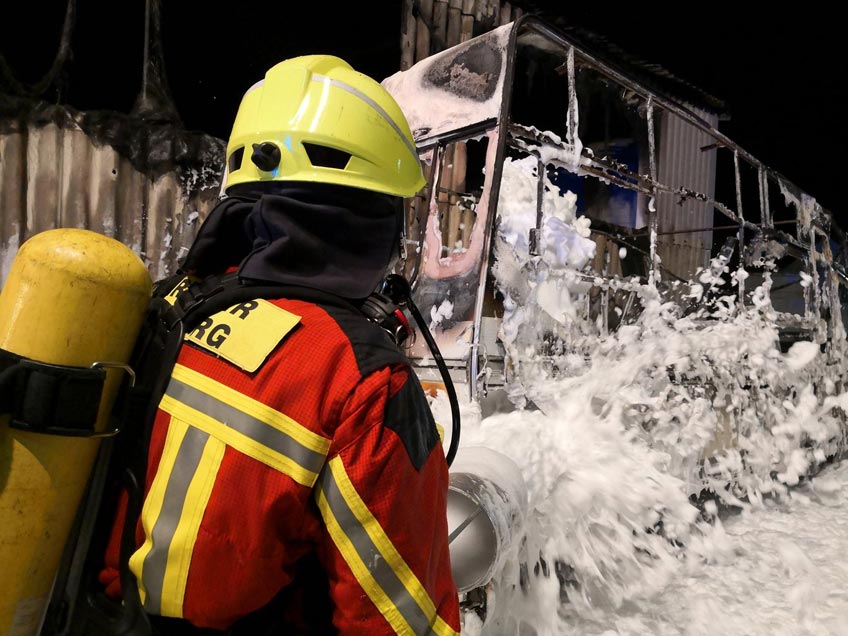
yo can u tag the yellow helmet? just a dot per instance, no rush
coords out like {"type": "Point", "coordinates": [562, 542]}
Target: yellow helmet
{"type": "Point", "coordinates": [313, 118]}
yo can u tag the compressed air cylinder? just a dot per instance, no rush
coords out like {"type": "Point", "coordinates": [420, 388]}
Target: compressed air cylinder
{"type": "Point", "coordinates": [72, 297]}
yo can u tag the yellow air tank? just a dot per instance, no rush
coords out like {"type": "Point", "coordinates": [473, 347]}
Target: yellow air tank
{"type": "Point", "coordinates": [72, 297]}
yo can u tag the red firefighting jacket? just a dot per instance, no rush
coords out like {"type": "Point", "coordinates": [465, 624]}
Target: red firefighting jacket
{"type": "Point", "coordinates": [294, 459]}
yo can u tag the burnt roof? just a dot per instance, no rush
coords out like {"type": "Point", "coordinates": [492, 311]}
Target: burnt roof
{"type": "Point", "coordinates": [650, 75]}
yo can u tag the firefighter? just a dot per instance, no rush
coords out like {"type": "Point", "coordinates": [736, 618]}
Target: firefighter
{"type": "Point", "coordinates": [296, 482]}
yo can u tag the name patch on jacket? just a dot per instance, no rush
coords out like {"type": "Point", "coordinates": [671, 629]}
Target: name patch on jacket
{"type": "Point", "coordinates": [245, 333]}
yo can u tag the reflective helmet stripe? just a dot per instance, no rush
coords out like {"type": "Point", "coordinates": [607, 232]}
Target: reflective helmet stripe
{"type": "Point", "coordinates": [350, 89]}
{"type": "Point", "coordinates": [255, 86]}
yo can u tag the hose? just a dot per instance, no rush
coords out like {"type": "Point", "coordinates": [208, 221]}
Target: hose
{"type": "Point", "coordinates": [397, 288]}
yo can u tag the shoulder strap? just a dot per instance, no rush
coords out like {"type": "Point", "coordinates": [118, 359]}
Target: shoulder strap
{"type": "Point", "coordinates": [216, 293]}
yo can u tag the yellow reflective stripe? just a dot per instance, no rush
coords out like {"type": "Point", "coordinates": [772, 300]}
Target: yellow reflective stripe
{"type": "Point", "coordinates": [253, 408]}
{"type": "Point", "coordinates": [154, 500]}
{"type": "Point", "coordinates": [185, 535]}
{"type": "Point", "coordinates": [394, 589]}
{"type": "Point", "coordinates": [378, 536]}
{"type": "Point", "coordinates": [238, 441]}
{"type": "Point", "coordinates": [206, 417]}
{"type": "Point", "coordinates": [360, 570]}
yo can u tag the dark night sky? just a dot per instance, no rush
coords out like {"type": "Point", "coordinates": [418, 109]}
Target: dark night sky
{"type": "Point", "coordinates": [782, 74]}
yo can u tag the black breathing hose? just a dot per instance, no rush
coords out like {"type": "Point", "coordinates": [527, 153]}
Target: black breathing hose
{"type": "Point", "coordinates": [397, 288]}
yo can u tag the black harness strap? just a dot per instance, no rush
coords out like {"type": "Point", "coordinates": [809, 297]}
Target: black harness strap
{"type": "Point", "coordinates": [217, 293]}
{"type": "Point", "coordinates": [50, 398]}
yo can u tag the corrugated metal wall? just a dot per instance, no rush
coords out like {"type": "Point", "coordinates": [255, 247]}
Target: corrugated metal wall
{"type": "Point", "coordinates": [683, 163]}
{"type": "Point", "coordinates": [56, 175]}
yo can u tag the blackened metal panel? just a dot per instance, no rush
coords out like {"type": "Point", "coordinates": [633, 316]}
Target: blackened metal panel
{"type": "Point", "coordinates": [466, 81]}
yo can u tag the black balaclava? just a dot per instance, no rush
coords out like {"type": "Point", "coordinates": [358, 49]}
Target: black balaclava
{"type": "Point", "coordinates": [332, 238]}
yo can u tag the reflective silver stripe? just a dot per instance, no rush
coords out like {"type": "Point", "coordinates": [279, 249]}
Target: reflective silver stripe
{"type": "Point", "coordinates": [185, 466]}
{"type": "Point", "coordinates": [370, 555]}
{"type": "Point", "coordinates": [350, 89]}
{"type": "Point", "coordinates": [255, 86]}
{"type": "Point", "coordinates": [247, 425]}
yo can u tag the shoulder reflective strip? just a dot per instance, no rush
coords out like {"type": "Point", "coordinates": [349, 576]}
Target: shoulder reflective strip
{"type": "Point", "coordinates": [255, 409]}
{"type": "Point", "coordinates": [386, 579]}
{"type": "Point", "coordinates": [237, 440]}
{"type": "Point", "coordinates": [244, 433]}
{"type": "Point", "coordinates": [181, 457]}
{"type": "Point", "coordinates": [350, 89]}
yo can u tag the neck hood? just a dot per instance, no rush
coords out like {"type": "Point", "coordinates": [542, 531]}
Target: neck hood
{"type": "Point", "coordinates": [335, 239]}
